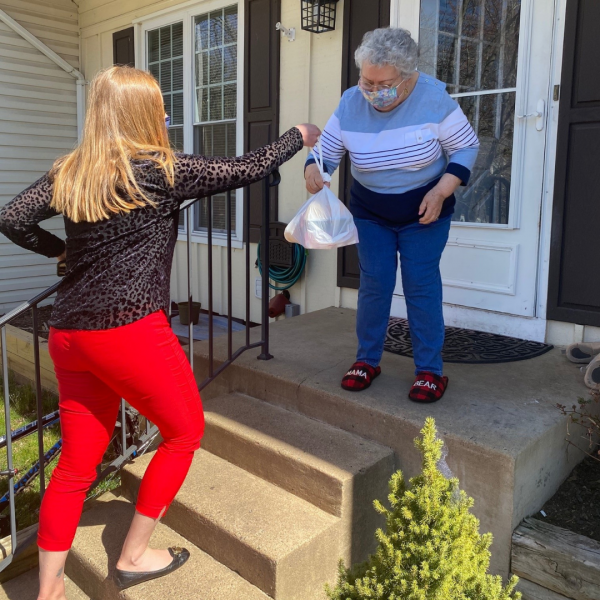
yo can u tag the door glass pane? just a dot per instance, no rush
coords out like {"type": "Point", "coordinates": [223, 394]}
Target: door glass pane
{"type": "Point", "coordinates": [472, 46]}
{"type": "Point", "coordinates": [216, 102]}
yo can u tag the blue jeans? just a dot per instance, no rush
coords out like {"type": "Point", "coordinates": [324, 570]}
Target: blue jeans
{"type": "Point", "coordinates": [420, 248]}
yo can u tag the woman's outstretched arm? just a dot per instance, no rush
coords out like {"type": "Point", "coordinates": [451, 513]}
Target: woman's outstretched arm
{"type": "Point", "coordinates": [197, 176]}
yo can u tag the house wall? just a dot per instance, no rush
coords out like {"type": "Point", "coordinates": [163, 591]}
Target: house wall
{"type": "Point", "coordinates": [562, 334]}
{"type": "Point", "coordinates": [38, 123]}
{"type": "Point", "coordinates": [310, 90]}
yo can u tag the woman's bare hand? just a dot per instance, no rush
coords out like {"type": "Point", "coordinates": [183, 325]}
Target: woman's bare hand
{"type": "Point", "coordinates": [433, 203]}
{"type": "Point", "coordinates": [62, 257]}
{"type": "Point", "coordinates": [310, 134]}
{"type": "Point", "coordinates": [431, 207]}
{"type": "Point", "coordinates": [314, 179]}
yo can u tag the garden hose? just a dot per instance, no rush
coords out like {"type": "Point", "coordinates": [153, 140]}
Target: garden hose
{"type": "Point", "coordinates": [286, 277]}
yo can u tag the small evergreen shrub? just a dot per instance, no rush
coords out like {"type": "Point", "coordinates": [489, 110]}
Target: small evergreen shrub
{"type": "Point", "coordinates": [431, 549]}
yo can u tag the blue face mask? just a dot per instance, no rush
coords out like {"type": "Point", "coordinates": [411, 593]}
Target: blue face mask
{"type": "Point", "coordinates": [381, 98]}
{"type": "Point", "coordinates": [167, 121]}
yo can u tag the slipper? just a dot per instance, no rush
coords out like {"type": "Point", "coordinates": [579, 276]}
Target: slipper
{"type": "Point", "coordinates": [360, 376]}
{"type": "Point", "coordinates": [583, 353]}
{"type": "Point", "coordinates": [428, 387]}
{"type": "Point", "coordinates": [592, 374]}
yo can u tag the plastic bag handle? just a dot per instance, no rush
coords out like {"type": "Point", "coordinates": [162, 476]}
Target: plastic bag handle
{"type": "Point", "coordinates": [319, 156]}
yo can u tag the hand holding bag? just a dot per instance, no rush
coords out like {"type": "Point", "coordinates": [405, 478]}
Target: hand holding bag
{"type": "Point", "coordinates": [323, 222]}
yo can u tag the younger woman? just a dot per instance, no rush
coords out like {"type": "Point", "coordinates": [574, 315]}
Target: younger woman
{"type": "Point", "coordinates": [120, 192]}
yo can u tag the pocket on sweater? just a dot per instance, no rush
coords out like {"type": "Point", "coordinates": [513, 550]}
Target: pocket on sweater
{"type": "Point", "coordinates": [417, 137]}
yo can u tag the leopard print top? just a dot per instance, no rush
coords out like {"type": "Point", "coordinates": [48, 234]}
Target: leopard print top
{"type": "Point", "coordinates": [119, 269]}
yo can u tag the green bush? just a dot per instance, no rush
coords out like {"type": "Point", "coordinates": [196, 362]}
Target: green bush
{"type": "Point", "coordinates": [431, 549]}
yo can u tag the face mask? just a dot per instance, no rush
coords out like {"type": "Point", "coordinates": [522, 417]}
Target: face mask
{"type": "Point", "coordinates": [382, 98]}
{"type": "Point", "coordinates": [167, 121]}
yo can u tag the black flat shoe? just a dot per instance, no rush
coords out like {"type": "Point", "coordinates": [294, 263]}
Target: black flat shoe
{"type": "Point", "coordinates": [127, 579]}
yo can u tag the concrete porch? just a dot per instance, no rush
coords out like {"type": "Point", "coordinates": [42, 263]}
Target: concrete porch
{"type": "Point", "coordinates": [506, 439]}
{"type": "Point", "coordinates": [290, 464]}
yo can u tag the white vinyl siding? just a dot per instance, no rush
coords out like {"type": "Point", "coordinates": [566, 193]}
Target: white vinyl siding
{"type": "Point", "coordinates": [38, 123]}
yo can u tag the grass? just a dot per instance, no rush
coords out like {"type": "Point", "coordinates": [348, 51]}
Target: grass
{"type": "Point", "coordinates": [25, 451]}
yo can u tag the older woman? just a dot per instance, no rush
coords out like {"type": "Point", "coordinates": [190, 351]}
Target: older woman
{"type": "Point", "coordinates": [410, 147]}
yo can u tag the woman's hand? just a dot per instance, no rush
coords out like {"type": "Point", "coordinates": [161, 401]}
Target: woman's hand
{"type": "Point", "coordinates": [310, 134]}
{"type": "Point", "coordinates": [314, 179]}
{"type": "Point", "coordinates": [62, 257]}
{"type": "Point", "coordinates": [431, 207]}
{"type": "Point", "coordinates": [432, 204]}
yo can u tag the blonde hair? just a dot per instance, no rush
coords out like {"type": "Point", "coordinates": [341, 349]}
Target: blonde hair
{"type": "Point", "coordinates": [124, 121]}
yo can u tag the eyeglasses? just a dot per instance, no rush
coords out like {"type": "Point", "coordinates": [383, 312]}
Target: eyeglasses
{"type": "Point", "coordinates": [167, 120]}
{"type": "Point", "coordinates": [368, 87]}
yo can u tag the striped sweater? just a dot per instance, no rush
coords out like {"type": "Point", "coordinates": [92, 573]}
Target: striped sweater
{"type": "Point", "coordinates": [398, 156]}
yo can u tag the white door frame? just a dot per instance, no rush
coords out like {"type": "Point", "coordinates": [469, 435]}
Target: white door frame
{"type": "Point", "coordinates": [406, 13]}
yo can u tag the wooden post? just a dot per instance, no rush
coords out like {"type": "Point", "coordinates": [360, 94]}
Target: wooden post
{"type": "Point", "coordinates": [557, 559]}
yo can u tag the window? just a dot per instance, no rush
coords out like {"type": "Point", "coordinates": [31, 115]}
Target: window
{"type": "Point", "coordinates": [165, 62]}
{"type": "Point", "coordinates": [472, 46]}
{"type": "Point", "coordinates": [195, 60]}
{"type": "Point", "coordinates": [215, 107]}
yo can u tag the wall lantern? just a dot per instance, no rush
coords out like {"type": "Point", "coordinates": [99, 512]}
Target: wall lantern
{"type": "Point", "coordinates": [318, 15]}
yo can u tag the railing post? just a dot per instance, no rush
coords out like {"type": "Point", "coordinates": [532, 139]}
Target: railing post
{"type": "Point", "coordinates": [264, 244]}
{"type": "Point", "coordinates": [9, 453]}
{"type": "Point", "coordinates": [189, 284]}
{"type": "Point", "coordinates": [247, 240]}
{"type": "Point", "coordinates": [123, 429]}
{"type": "Point", "coordinates": [229, 281]}
{"type": "Point", "coordinates": [211, 355]}
{"type": "Point", "coordinates": [38, 397]}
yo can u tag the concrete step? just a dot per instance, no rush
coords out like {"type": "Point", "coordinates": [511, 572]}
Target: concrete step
{"type": "Point", "coordinates": [336, 471]}
{"type": "Point", "coordinates": [280, 543]}
{"type": "Point", "coordinates": [96, 550]}
{"type": "Point", "coordinates": [504, 434]}
{"type": "Point", "coordinates": [26, 586]}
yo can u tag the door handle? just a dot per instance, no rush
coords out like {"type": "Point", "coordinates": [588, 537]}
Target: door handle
{"type": "Point", "coordinates": [539, 115]}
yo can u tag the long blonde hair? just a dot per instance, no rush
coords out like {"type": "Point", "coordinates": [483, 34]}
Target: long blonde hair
{"type": "Point", "coordinates": [124, 121]}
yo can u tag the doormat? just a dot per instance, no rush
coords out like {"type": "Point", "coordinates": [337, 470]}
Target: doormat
{"type": "Point", "coordinates": [466, 345]}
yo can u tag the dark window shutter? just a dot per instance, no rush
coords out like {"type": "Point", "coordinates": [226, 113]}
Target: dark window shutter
{"type": "Point", "coordinates": [124, 48]}
{"type": "Point", "coordinates": [360, 16]}
{"type": "Point", "coordinates": [261, 93]}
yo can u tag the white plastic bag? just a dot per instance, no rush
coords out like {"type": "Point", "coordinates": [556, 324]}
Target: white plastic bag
{"type": "Point", "coordinates": [323, 222]}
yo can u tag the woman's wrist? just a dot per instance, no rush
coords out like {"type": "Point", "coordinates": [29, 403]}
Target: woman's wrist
{"type": "Point", "coordinates": [440, 193]}
{"type": "Point", "coordinates": [446, 186]}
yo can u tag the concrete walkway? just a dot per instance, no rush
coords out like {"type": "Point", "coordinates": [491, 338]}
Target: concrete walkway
{"type": "Point", "coordinates": [26, 586]}
{"type": "Point", "coordinates": [505, 436]}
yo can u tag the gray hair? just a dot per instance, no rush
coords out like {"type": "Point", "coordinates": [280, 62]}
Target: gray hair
{"type": "Point", "coordinates": [389, 46]}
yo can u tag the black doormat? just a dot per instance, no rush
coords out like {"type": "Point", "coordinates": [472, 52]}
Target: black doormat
{"type": "Point", "coordinates": [466, 345]}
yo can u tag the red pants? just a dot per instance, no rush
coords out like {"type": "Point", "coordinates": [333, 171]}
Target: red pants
{"type": "Point", "coordinates": [143, 363]}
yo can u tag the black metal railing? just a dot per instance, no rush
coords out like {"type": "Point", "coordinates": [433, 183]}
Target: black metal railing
{"type": "Point", "coordinates": [134, 443]}
{"type": "Point", "coordinates": [271, 181]}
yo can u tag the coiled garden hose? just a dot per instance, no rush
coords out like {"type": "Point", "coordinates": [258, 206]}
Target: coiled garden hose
{"type": "Point", "coordinates": [286, 277]}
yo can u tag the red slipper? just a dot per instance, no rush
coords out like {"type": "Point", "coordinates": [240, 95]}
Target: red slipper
{"type": "Point", "coordinates": [360, 376]}
{"type": "Point", "coordinates": [428, 387]}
